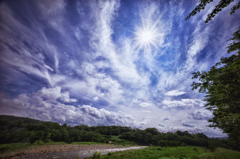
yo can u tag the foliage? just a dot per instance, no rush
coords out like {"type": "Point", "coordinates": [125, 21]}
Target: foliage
{"type": "Point", "coordinates": [38, 142]}
{"type": "Point", "coordinates": [222, 4]}
{"type": "Point", "coordinates": [13, 146]}
{"type": "Point", "coordinates": [48, 133]}
{"type": "Point", "coordinates": [221, 85]}
{"type": "Point", "coordinates": [97, 154]}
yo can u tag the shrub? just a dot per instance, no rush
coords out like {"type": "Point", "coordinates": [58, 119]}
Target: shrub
{"type": "Point", "coordinates": [184, 144]}
{"type": "Point", "coordinates": [194, 149]}
{"type": "Point", "coordinates": [38, 142]}
{"type": "Point", "coordinates": [183, 157]}
{"type": "Point", "coordinates": [5, 148]}
{"type": "Point", "coordinates": [97, 154]}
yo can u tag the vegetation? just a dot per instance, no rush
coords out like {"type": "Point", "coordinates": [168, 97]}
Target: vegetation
{"type": "Point", "coordinates": [222, 4]}
{"type": "Point", "coordinates": [221, 85]}
{"type": "Point", "coordinates": [181, 152]}
{"type": "Point", "coordinates": [16, 133]}
{"type": "Point", "coordinates": [97, 155]}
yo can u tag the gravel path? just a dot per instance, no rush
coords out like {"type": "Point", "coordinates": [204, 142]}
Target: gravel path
{"type": "Point", "coordinates": [81, 153]}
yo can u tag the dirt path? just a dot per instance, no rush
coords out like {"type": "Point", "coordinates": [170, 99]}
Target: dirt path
{"type": "Point", "coordinates": [46, 149]}
{"type": "Point", "coordinates": [82, 154]}
{"type": "Point", "coordinates": [63, 151]}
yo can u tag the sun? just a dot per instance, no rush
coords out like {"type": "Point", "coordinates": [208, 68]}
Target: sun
{"type": "Point", "coordinates": [146, 37]}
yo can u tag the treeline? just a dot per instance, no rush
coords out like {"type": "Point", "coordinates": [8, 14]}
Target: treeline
{"type": "Point", "coordinates": [152, 136]}
{"type": "Point", "coordinates": [14, 130]}
{"type": "Point", "coordinates": [17, 129]}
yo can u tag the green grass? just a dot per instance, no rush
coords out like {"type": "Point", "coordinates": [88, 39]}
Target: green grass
{"type": "Point", "coordinates": [90, 143]}
{"type": "Point", "coordinates": [158, 152]}
{"type": "Point", "coordinates": [55, 143]}
{"type": "Point", "coordinates": [227, 153]}
{"type": "Point", "coordinates": [13, 146]}
{"type": "Point", "coordinates": [181, 152]}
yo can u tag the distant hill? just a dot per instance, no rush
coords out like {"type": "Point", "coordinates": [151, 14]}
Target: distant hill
{"type": "Point", "coordinates": [7, 118]}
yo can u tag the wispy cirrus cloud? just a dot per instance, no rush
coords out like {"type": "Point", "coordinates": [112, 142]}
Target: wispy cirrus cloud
{"type": "Point", "coordinates": [83, 61]}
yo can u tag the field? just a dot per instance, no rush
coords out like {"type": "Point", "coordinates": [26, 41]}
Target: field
{"type": "Point", "coordinates": [153, 152]}
{"type": "Point", "coordinates": [181, 152]}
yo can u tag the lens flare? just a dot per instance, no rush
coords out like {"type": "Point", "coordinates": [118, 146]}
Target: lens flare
{"type": "Point", "coordinates": [146, 37]}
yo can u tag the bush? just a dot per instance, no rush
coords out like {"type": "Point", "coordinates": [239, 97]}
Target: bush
{"type": "Point", "coordinates": [194, 149]}
{"type": "Point", "coordinates": [5, 148]}
{"type": "Point", "coordinates": [97, 154]}
{"type": "Point", "coordinates": [184, 144]}
{"type": "Point", "coordinates": [183, 157]}
{"type": "Point", "coordinates": [38, 142]}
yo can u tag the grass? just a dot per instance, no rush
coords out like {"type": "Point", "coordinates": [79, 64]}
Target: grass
{"type": "Point", "coordinates": [17, 146]}
{"type": "Point", "coordinates": [157, 152]}
{"type": "Point", "coordinates": [97, 155]}
{"type": "Point", "coordinates": [181, 152]}
{"type": "Point", "coordinates": [227, 153]}
{"type": "Point", "coordinates": [90, 143]}
{"type": "Point", "coordinates": [55, 143]}
{"type": "Point", "coordinates": [13, 146]}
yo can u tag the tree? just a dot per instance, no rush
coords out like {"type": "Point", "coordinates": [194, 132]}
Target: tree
{"type": "Point", "coordinates": [222, 4]}
{"type": "Point", "coordinates": [153, 131]}
{"type": "Point", "coordinates": [222, 86]}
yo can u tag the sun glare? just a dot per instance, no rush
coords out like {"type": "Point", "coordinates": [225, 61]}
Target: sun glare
{"type": "Point", "coordinates": [146, 37]}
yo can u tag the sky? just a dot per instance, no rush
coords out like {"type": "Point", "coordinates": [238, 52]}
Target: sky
{"type": "Point", "coordinates": [125, 63]}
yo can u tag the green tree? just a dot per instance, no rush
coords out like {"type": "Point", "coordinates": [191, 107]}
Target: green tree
{"type": "Point", "coordinates": [153, 131]}
{"type": "Point", "coordinates": [56, 135]}
{"type": "Point", "coordinates": [221, 85]}
{"type": "Point", "coordinates": [222, 4]}
{"type": "Point", "coordinates": [65, 135]}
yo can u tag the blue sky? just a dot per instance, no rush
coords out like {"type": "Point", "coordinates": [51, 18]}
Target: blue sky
{"type": "Point", "coordinates": [110, 62]}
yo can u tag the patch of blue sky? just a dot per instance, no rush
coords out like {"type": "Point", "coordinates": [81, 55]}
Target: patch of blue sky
{"type": "Point", "coordinates": [108, 60]}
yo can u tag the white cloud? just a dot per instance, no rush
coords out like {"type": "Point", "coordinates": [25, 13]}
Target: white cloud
{"type": "Point", "coordinates": [65, 97]}
{"type": "Point", "coordinates": [43, 105]}
{"type": "Point", "coordinates": [145, 104]}
{"type": "Point", "coordinates": [174, 93]}
{"type": "Point", "coordinates": [52, 94]}
{"type": "Point", "coordinates": [95, 98]}
{"type": "Point", "coordinates": [201, 114]}
{"type": "Point", "coordinates": [111, 69]}
{"type": "Point", "coordinates": [184, 103]}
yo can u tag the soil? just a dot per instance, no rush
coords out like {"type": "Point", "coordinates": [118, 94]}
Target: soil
{"type": "Point", "coordinates": [37, 151]}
